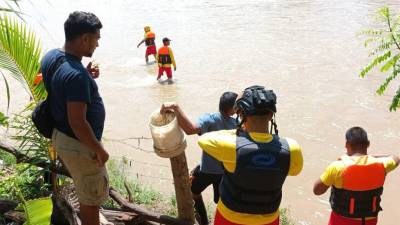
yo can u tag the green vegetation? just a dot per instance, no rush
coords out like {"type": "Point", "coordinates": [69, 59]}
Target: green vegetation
{"type": "Point", "coordinates": [284, 217]}
{"type": "Point", "coordinates": [31, 142]}
{"type": "Point", "coordinates": [8, 160]}
{"type": "Point", "coordinates": [3, 120]}
{"type": "Point", "coordinates": [11, 8]}
{"type": "Point", "coordinates": [24, 179]}
{"type": "Point", "coordinates": [385, 50]}
{"type": "Point", "coordinates": [37, 211]}
{"type": "Point", "coordinates": [140, 194]}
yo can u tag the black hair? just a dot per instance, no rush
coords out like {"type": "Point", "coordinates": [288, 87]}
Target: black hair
{"type": "Point", "coordinates": [79, 23]}
{"type": "Point", "coordinates": [357, 138]}
{"type": "Point", "coordinates": [227, 101]}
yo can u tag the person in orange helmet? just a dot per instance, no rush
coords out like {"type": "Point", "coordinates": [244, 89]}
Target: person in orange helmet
{"type": "Point", "coordinates": [149, 40]}
{"type": "Point", "coordinates": [165, 58]}
{"type": "Point", "coordinates": [356, 180]}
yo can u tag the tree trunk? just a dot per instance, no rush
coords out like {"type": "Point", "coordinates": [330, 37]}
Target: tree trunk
{"type": "Point", "coordinates": [182, 188]}
{"type": "Point", "coordinates": [145, 214]}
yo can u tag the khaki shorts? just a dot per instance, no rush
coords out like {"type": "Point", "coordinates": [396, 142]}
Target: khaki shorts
{"type": "Point", "coordinates": [90, 180]}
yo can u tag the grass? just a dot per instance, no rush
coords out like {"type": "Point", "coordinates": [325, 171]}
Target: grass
{"type": "Point", "coordinates": [7, 158]}
{"type": "Point", "coordinates": [154, 200]}
{"type": "Point", "coordinates": [141, 194]}
{"type": "Point", "coordinates": [284, 217]}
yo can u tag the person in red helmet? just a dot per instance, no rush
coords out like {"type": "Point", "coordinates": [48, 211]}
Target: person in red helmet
{"type": "Point", "coordinates": [149, 40]}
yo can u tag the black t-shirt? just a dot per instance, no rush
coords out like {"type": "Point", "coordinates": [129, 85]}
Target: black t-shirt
{"type": "Point", "coordinates": [71, 82]}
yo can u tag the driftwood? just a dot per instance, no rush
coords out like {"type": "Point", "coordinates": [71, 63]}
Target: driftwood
{"type": "Point", "coordinates": [143, 213]}
{"type": "Point", "coordinates": [18, 217]}
{"type": "Point", "coordinates": [61, 206]}
{"type": "Point", "coordinates": [7, 205]}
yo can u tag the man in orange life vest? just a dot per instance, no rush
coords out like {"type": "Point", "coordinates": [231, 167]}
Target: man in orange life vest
{"type": "Point", "coordinates": [149, 38]}
{"type": "Point", "coordinates": [357, 181]}
{"type": "Point", "coordinates": [165, 58]}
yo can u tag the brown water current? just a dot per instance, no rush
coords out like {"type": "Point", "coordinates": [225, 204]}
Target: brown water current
{"type": "Point", "coordinates": [307, 51]}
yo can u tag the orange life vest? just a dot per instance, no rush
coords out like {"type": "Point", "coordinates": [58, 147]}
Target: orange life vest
{"type": "Point", "coordinates": [38, 79]}
{"type": "Point", "coordinates": [150, 37]}
{"type": "Point", "coordinates": [360, 196]}
{"type": "Point", "coordinates": [163, 56]}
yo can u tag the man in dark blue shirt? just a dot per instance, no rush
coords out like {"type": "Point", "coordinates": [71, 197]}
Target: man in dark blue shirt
{"type": "Point", "coordinates": [78, 112]}
{"type": "Point", "coordinates": [210, 171]}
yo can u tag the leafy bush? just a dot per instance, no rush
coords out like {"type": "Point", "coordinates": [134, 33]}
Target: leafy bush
{"type": "Point", "coordinates": [31, 142]}
{"type": "Point", "coordinates": [140, 194]}
{"type": "Point", "coordinates": [385, 50]}
{"type": "Point", "coordinates": [26, 179]}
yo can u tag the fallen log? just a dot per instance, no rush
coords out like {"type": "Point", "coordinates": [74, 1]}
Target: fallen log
{"type": "Point", "coordinates": [143, 213]}
{"type": "Point", "coordinates": [62, 207]}
{"type": "Point", "coordinates": [7, 205]}
{"type": "Point", "coordinates": [18, 217]}
{"type": "Point", "coordinates": [22, 158]}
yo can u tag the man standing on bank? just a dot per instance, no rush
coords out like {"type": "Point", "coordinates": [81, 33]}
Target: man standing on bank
{"type": "Point", "coordinates": [356, 180]}
{"type": "Point", "coordinates": [210, 171]}
{"type": "Point", "coordinates": [78, 112]}
{"type": "Point", "coordinates": [255, 162]}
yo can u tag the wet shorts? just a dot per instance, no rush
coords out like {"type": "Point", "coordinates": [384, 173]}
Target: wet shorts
{"type": "Point", "coordinates": [167, 70]}
{"type": "Point", "coordinates": [336, 219]}
{"type": "Point", "coordinates": [150, 50]}
{"type": "Point", "coordinates": [90, 180]}
{"type": "Point", "coordinates": [200, 181]}
{"type": "Point", "coordinates": [220, 220]}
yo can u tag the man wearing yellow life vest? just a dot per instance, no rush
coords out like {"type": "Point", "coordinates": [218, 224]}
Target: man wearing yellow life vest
{"type": "Point", "coordinates": [255, 162]}
{"type": "Point", "coordinates": [165, 58]}
{"type": "Point", "coordinates": [149, 40]}
{"type": "Point", "coordinates": [356, 180]}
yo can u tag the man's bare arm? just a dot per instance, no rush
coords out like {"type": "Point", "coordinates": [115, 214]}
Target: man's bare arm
{"type": "Point", "coordinates": [83, 131]}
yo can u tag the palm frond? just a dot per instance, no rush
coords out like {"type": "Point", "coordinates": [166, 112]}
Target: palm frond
{"type": "Point", "coordinates": [7, 90]}
{"type": "Point", "coordinates": [20, 54]}
{"type": "Point", "coordinates": [11, 8]}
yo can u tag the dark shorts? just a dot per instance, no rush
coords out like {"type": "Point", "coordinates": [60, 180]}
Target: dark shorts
{"type": "Point", "coordinates": [150, 50]}
{"type": "Point", "coordinates": [167, 70]}
{"type": "Point", "coordinates": [200, 181]}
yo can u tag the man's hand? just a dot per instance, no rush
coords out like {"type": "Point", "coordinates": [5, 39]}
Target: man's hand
{"type": "Point", "coordinates": [93, 69]}
{"type": "Point", "coordinates": [168, 106]}
{"type": "Point", "coordinates": [102, 157]}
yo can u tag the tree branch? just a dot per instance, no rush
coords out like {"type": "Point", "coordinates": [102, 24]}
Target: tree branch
{"type": "Point", "coordinates": [22, 158]}
{"type": "Point", "coordinates": [145, 214]}
{"type": "Point", "coordinates": [391, 32]}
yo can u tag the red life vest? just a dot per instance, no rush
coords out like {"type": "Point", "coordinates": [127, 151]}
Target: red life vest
{"type": "Point", "coordinates": [163, 56]}
{"type": "Point", "coordinates": [150, 37]}
{"type": "Point", "coordinates": [360, 196]}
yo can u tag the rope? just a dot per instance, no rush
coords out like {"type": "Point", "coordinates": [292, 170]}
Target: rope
{"type": "Point", "coordinates": [170, 153]}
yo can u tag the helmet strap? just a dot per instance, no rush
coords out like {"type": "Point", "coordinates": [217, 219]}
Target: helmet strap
{"type": "Point", "coordinates": [239, 127]}
{"type": "Point", "coordinates": [274, 126]}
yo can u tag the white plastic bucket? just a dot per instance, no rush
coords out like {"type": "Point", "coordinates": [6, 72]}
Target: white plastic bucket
{"type": "Point", "coordinates": [168, 138]}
